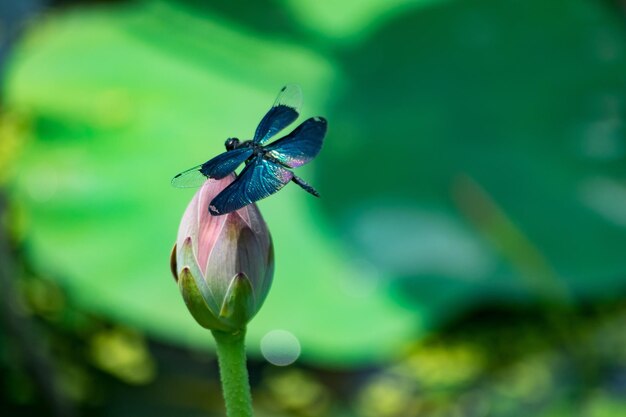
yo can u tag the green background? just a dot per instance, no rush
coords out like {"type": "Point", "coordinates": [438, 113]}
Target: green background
{"type": "Point", "coordinates": [475, 157]}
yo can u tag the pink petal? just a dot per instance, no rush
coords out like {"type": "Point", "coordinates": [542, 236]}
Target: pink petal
{"type": "Point", "coordinates": [209, 227]}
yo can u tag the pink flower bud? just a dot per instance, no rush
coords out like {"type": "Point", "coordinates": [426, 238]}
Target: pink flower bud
{"type": "Point", "coordinates": [223, 264]}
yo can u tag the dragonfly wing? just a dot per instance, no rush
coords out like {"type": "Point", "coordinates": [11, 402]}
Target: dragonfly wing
{"type": "Point", "coordinates": [190, 178]}
{"type": "Point", "coordinates": [302, 145]}
{"type": "Point", "coordinates": [285, 110]}
{"type": "Point", "coordinates": [225, 163]}
{"type": "Point", "coordinates": [216, 168]}
{"type": "Point", "coordinates": [259, 179]}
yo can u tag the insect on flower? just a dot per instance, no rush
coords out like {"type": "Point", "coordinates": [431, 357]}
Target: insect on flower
{"type": "Point", "coordinates": [267, 167]}
{"type": "Point", "coordinates": [223, 264]}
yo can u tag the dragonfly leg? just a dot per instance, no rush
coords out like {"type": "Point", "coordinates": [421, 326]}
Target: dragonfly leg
{"type": "Point", "coordinates": [305, 186]}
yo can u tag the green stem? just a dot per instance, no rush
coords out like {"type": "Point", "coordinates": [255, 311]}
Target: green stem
{"type": "Point", "coordinates": [231, 356]}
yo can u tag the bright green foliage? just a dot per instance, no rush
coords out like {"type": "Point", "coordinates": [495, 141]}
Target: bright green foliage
{"type": "Point", "coordinates": [118, 107]}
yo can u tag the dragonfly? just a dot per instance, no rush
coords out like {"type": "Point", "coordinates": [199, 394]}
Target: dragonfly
{"type": "Point", "coordinates": [267, 166]}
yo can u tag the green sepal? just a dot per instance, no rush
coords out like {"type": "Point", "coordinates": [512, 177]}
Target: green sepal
{"type": "Point", "coordinates": [196, 303]}
{"type": "Point", "coordinates": [173, 264]}
{"type": "Point", "coordinates": [189, 261]}
{"type": "Point", "coordinates": [239, 304]}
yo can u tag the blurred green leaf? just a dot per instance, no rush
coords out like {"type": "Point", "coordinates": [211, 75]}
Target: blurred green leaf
{"type": "Point", "coordinates": [349, 21]}
{"type": "Point", "coordinates": [121, 99]}
{"type": "Point", "coordinates": [486, 149]}
{"type": "Point", "coordinates": [474, 154]}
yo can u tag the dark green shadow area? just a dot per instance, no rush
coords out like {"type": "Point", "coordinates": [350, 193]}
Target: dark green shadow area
{"type": "Point", "coordinates": [482, 142]}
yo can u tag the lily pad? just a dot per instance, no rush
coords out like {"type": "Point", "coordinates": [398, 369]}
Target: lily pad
{"type": "Point", "coordinates": [118, 105]}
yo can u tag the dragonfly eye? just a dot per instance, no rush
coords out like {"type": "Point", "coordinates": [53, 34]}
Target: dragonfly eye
{"type": "Point", "coordinates": [231, 143]}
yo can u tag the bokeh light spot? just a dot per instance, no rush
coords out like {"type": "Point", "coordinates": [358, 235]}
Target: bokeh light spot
{"type": "Point", "coordinates": [280, 347]}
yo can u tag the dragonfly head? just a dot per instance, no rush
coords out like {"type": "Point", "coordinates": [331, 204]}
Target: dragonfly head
{"type": "Point", "coordinates": [231, 143]}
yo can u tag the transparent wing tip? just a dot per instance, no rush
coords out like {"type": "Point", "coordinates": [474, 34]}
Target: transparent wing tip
{"type": "Point", "coordinates": [189, 179]}
{"type": "Point", "coordinates": [290, 95]}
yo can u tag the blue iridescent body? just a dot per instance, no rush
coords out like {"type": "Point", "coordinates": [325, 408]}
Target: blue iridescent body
{"type": "Point", "coordinates": [267, 167]}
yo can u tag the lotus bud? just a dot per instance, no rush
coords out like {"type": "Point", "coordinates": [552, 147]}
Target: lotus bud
{"type": "Point", "coordinates": [223, 264]}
